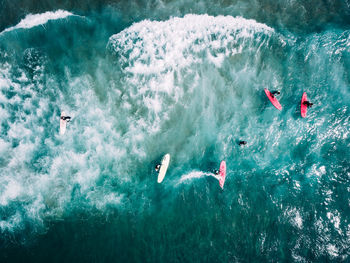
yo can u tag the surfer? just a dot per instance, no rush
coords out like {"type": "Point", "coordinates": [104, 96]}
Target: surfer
{"type": "Point", "coordinates": [275, 92]}
{"type": "Point", "coordinates": [242, 143]}
{"type": "Point", "coordinates": [157, 167]}
{"type": "Point", "coordinates": [308, 104]}
{"type": "Point", "coordinates": [66, 118]}
{"type": "Point", "coordinates": [273, 99]}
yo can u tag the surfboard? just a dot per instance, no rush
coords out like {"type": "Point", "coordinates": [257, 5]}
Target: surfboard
{"type": "Point", "coordinates": [163, 167]}
{"type": "Point", "coordinates": [273, 99]}
{"type": "Point", "coordinates": [303, 108]}
{"type": "Point", "coordinates": [222, 174]}
{"type": "Point", "coordinates": [63, 124]}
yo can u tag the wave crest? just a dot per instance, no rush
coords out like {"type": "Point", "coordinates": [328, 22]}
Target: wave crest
{"type": "Point", "coordinates": [151, 46]}
{"type": "Point", "coordinates": [39, 19]}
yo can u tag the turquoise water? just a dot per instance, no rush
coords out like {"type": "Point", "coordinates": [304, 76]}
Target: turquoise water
{"type": "Point", "coordinates": [142, 79]}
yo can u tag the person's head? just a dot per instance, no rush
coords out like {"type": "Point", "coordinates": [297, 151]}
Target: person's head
{"type": "Point", "coordinates": [278, 93]}
{"type": "Point", "coordinates": [157, 167]}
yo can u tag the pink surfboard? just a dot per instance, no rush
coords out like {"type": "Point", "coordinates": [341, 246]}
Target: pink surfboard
{"type": "Point", "coordinates": [273, 100]}
{"type": "Point", "coordinates": [222, 174]}
{"type": "Point", "coordinates": [303, 108]}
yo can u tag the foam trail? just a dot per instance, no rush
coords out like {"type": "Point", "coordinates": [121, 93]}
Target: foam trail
{"type": "Point", "coordinates": [39, 19]}
{"type": "Point", "coordinates": [196, 174]}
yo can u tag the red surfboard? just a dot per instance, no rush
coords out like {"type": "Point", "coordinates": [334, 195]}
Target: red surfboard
{"type": "Point", "coordinates": [222, 174]}
{"type": "Point", "coordinates": [303, 108]}
{"type": "Point", "coordinates": [273, 100]}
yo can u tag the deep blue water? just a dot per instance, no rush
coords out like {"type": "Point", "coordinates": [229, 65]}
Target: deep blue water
{"type": "Point", "coordinates": [142, 79]}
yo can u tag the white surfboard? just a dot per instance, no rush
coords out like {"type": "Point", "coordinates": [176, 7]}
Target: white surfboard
{"type": "Point", "coordinates": [163, 167]}
{"type": "Point", "coordinates": [63, 124]}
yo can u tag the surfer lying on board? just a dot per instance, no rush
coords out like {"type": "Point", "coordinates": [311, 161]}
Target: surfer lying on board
{"type": "Point", "coordinates": [275, 92]}
{"type": "Point", "coordinates": [157, 167]}
{"type": "Point", "coordinates": [66, 118]}
{"type": "Point", "coordinates": [308, 103]}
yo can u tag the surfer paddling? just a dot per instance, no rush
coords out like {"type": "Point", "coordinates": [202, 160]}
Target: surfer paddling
{"type": "Point", "coordinates": [162, 167]}
{"type": "Point", "coordinates": [273, 99]}
{"type": "Point", "coordinates": [308, 104]}
{"type": "Point", "coordinates": [305, 104]}
{"type": "Point", "coordinates": [240, 143]}
{"type": "Point", "coordinates": [66, 118]}
{"type": "Point", "coordinates": [276, 92]}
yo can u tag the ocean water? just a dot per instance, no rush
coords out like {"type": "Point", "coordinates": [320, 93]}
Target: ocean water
{"type": "Point", "coordinates": [144, 78]}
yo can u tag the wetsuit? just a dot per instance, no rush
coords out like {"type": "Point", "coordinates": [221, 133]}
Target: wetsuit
{"type": "Point", "coordinates": [66, 118]}
{"type": "Point", "coordinates": [308, 103]}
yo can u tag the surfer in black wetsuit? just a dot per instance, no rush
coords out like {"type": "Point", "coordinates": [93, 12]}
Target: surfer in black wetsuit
{"type": "Point", "coordinates": [240, 143]}
{"type": "Point", "coordinates": [66, 118]}
{"type": "Point", "coordinates": [275, 92]}
{"type": "Point", "coordinates": [308, 103]}
{"type": "Point", "coordinates": [157, 167]}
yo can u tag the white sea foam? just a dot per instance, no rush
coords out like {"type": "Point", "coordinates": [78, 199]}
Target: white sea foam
{"type": "Point", "coordinates": [33, 20]}
{"type": "Point", "coordinates": [11, 191]}
{"type": "Point", "coordinates": [294, 217]}
{"type": "Point", "coordinates": [4, 146]}
{"type": "Point", "coordinates": [41, 175]}
{"type": "Point", "coordinates": [332, 250]}
{"type": "Point", "coordinates": [101, 201]}
{"type": "Point", "coordinates": [151, 47]}
{"type": "Point", "coordinates": [335, 220]}
{"type": "Point", "coordinates": [163, 59]}
{"type": "Point", "coordinates": [298, 221]}
{"type": "Point", "coordinates": [11, 223]}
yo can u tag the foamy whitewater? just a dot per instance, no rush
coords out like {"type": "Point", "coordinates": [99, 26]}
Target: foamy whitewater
{"type": "Point", "coordinates": [185, 79]}
{"type": "Point", "coordinates": [38, 19]}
